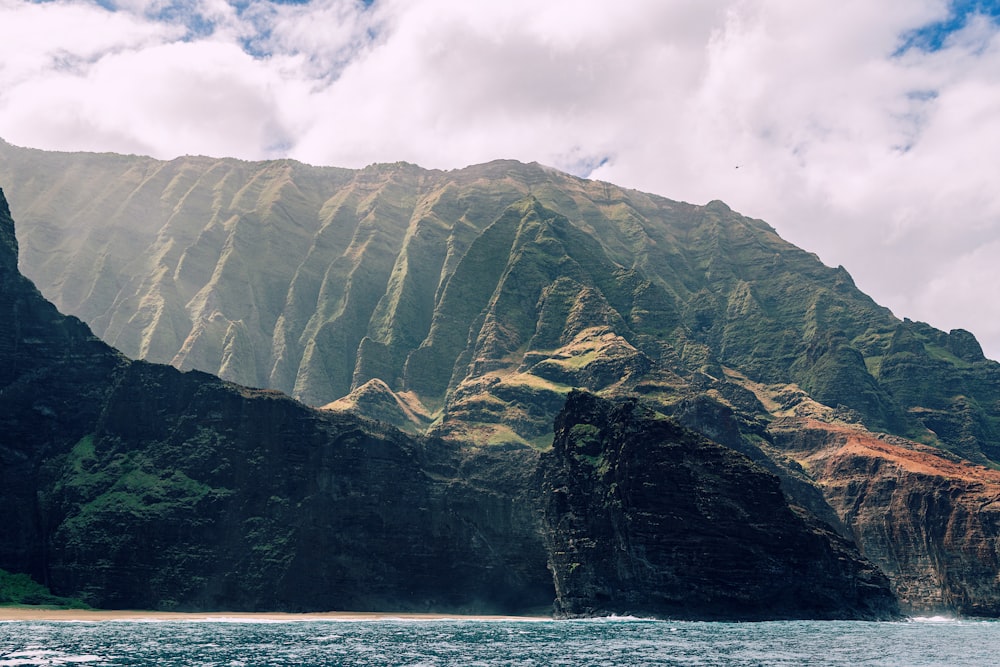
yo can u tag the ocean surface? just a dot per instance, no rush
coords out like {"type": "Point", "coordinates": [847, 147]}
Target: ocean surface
{"type": "Point", "coordinates": [232, 642]}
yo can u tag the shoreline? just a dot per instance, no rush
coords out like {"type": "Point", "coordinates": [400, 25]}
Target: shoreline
{"type": "Point", "coordinates": [29, 613]}
{"type": "Point", "coordinates": [95, 615]}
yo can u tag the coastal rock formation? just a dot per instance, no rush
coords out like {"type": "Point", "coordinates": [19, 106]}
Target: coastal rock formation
{"type": "Point", "coordinates": [646, 517]}
{"type": "Point", "coordinates": [462, 307]}
{"type": "Point", "coordinates": [930, 521]}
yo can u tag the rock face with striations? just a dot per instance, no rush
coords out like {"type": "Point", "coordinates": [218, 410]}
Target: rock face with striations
{"type": "Point", "coordinates": [931, 522]}
{"type": "Point", "coordinates": [134, 485]}
{"type": "Point", "coordinates": [646, 517]}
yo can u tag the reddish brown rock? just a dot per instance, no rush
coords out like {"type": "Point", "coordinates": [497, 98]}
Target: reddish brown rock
{"type": "Point", "coordinates": [931, 523]}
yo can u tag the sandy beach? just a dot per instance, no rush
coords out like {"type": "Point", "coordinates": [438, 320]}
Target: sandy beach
{"type": "Point", "coordinates": [40, 614]}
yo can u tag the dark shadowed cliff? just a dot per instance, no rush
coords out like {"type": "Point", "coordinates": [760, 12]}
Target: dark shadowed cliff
{"type": "Point", "coordinates": [647, 517]}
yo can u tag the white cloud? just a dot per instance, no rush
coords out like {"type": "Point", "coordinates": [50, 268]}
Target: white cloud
{"type": "Point", "coordinates": [79, 77]}
{"type": "Point", "coordinates": [327, 33]}
{"type": "Point", "coordinates": [957, 288]}
{"type": "Point", "coordinates": [876, 157]}
{"type": "Point", "coordinates": [37, 39]}
{"type": "Point", "coordinates": [167, 99]}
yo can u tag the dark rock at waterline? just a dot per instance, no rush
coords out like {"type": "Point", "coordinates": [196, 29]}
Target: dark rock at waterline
{"type": "Point", "coordinates": [646, 517]}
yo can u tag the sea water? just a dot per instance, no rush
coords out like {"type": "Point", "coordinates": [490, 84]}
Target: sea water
{"type": "Point", "coordinates": [617, 641]}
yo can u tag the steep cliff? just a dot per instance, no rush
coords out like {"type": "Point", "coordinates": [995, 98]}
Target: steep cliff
{"type": "Point", "coordinates": [462, 307]}
{"type": "Point", "coordinates": [54, 380]}
{"type": "Point", "coordinates": [931, 522]}
{"type": "Point", "coordinates": [191, 493]}
{"type": "Point", "coordinates": [476, 298]}
{"type": "Point", "coordinates": [646, 517]}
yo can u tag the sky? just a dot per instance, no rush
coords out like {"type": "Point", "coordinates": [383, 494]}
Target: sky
{"type": "Point", "coordinates": [865, 132]}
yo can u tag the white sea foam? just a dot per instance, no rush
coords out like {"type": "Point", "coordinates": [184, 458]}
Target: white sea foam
{"type": "Point", "coordinates": [240, 619]}
{"type": "Point", "coordinates": [935, 619]}
{"type": "Point", "coordinates": [44, 657]}
{"type": "Point", "coordinates": [615, 618]}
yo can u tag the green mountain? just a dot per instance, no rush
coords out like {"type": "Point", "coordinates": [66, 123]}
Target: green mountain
{"type": "Point", "coordinates": [134, 485]}
{"type": "Point", "coordinates": [465, 307]}
{"type": "Point", "coordinates": [466, 304]}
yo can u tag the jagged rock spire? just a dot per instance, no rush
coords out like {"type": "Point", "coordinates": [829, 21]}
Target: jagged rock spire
{"type": "Point", "coordinates": [8, 241]}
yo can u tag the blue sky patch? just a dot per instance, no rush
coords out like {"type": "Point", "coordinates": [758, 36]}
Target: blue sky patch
{"type": "Point", "coordinates": [933, 36]}
{"type": "Point", "coordinates": [181, 12]}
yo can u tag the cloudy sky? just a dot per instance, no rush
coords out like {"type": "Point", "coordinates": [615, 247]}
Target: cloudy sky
{"type": "Point", "coordinates": [865, 131]}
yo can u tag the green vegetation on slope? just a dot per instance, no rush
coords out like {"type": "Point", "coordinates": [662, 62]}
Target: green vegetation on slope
{"type": "Point", "coordinates": [20, 589]}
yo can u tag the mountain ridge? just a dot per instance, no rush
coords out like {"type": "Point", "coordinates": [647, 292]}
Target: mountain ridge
{"type": "Point", "coordinates": [465, 291]}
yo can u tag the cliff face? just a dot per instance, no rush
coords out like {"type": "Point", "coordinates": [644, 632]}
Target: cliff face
{"type": "Point", "coordinates": [930, 522]}
{"type": "Point", "coordinates": [646, 517]}
{"type": "Point", "coordinates": [460, 306]}
{"type": "Point", "coordinates": [54, 378]}
{"type": "Point", "coordinates": [474, 299]}
{"type": "Point", "coordinates": [191, 493]}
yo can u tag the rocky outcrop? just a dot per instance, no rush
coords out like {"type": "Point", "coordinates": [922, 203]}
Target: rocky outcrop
{"type": "Point", "coordinates": [376, 400]}
{"type": "Point", "coordinates": [645, 517]}
{"type": "Point", "coordinates": [930, 521]}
